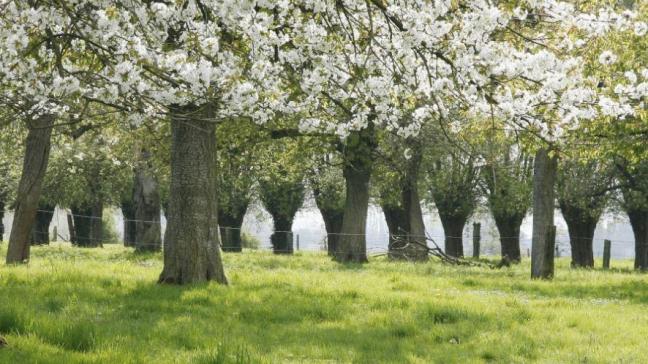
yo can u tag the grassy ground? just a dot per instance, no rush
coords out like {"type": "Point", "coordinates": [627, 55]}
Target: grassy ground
{"type": "Point", "coordinates": [103, 306]}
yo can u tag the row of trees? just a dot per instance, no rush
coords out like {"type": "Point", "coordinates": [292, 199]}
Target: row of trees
{"type": "Point", "coordinates": [353, 75]}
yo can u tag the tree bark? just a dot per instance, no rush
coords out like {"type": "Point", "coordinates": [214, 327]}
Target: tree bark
{"type": "Point", "coordinates": [88, 224]}
{"type": "Point", "coordinates": [453, 227]}
{"type": "Point", "coordinates": [128, 211]}
{"type": "Point", "coordinates": [581, 226]}
{"type": "Point", "coordinates": [40, 232]}
{"type": "Point", "coordinates": [2, 212]}
{"type": "Point", "coordinates": [333, 224]}
{"type": "Point", "coordinates": [509, 230]}
{"type": "Point", "coordinates": [37, 149]}
{"type": "Point", "coordinates": [191, 248]}
{"type": "Point", "coordinates": [282, 237]}
{"type": "Point", "coordinates": [544, 178]}
{"type": "Point", "coordinates": [417, 249]}
{"type": "Point", "coordinates": [395, 219]}
{"type": "Point", "coordinates": [148, 235]}
{"type": "Point", "coordinates": [230, 229]}
{"type": "Point", "coordinates": [358, 165]}
{"type": "Point", "coordinates": [639, 223]}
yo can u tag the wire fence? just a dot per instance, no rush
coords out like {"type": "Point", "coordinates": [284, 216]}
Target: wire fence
{"type": "Point", "coordinates": [63, 227]}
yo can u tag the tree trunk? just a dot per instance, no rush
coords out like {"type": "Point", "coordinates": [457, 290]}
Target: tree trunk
{"type": "Point", "coordinates": [40, 232]}
{"type": "Point", "coordinates": [639, 222]}
{"type": "Point", "coordinates": [358, 165]}
{"type": "Point", "coordinates": [396, 222]}
{"type": "Point", "coordinates": [333, 224]}
{"type": "Point", "coordinates": [37, 149]}
{"type": "Point", "coordinates": [282, 237]}
{"type": "Point", "coordinates": [128, 211]}
{"type": "Point", "coordinates": [417, 247]}
{"type": "Point", "coordinates": [453, 230]}
{"type": "Point", "coordinates": [230, 229]}
{"type": "Point", "coordinates": [509, 231]}
{"type": "Point", "coordinates": [581, 226]}
{"type": "Point", "coordinates": [2, 212]}
{"type": "Point", "coordinates": [88, 224]}
{"type": "Point", "coordinates": [544, 177]}
{"type": "Point", "coordinates": [191, 247]}
{"type": "Point", "coordinates": [148, 235]}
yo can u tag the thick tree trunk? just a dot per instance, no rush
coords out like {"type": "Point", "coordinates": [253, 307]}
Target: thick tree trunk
{"type": "Point", "coordinates": [639, 222]}
{"type": "Point", "coordinates": [358, 160]}
{"type": "Point", "coordinates": [37, 149]}
{"type": "Point", "coordinates": [128, 211]}
{"type": "Point", "coordinates": [88, 224]}
{"type": "Point", "coordinates": [453, 230]}
{"type": "Point", "coordinates": [417, 248]}
{"type": "Point", "coordinates": [509, 231]}
{"type": "Point", "coordinates": [544, 178]}
{"type": "Point", "coordinates": [191, 248]}
{"type": "Point", "coordinates": [40, 232]}
{"type": "Point", "coordinates": [230, 229]}
{"type": "Point", "coordinates": [282, 237]}
{"type": "Point", "coordinates": [148, 235]}
{"type": "Point", "coordinates": [396, 222]}
{"type": "Point", "coordinates": [333, 224]}
{"type": "Point", "coordinates": [581, 226]}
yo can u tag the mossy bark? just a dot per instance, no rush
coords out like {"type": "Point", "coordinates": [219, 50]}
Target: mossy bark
{"type": "Point", "coordinates": [508, 226]}
{"type": "Point", "coordinates": [581, 226]}
{"type": "Point", "coordinates": [230, 229]}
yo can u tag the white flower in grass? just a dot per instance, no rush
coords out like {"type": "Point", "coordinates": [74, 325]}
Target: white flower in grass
{"type": "Point", "coordinates": [607, 58]}
{"type": "Point", "coordinates": [640, 29]}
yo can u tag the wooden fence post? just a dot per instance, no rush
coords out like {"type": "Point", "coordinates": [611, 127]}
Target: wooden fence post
{"type": "Point", "coordinates": [476, 239]}
{"type": "Point", "coordinates": [607, 245]}
{"type": "Point", "coordinates": [297, 237]}
{"type": "Point", "coordinates": [71, 231]}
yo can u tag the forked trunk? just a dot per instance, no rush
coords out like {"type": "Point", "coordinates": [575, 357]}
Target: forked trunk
{"type": "Point", "coordinates": [358, 165]}
{"type": "Point", "coordinates": [40, 232]}
{"type": "Point", "coordinates": [37, 149]}
{"type": "Point", "coordinates": [544, 178]}
{"type": "Point", "coordinates": [639, 222]}
{"type": "Point", "coordinates": [148, 236]}
{"type": "Point", "coordinates": [191, 248]}
{"type": "Point", "coordinates": [509, 231]}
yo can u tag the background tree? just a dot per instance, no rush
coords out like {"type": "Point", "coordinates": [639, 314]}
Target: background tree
{"type": "Point", "coordinates": [583, 193]}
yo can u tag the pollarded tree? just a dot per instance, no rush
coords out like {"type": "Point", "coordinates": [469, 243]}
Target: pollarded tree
{"type": "Point", "coordinates": [453, 184]}
{"type": "Point", "coordinates": [397, 182]}
{"type": "Point", "coordinates": [282, 188]}
{"type": "Point", "coordinates": [327, 182]}
{"type": "Point", "coordinates": [236, 177]}
{"type": "Point", "coordinates": [507, 180]}
{"type": "Point", "coordinates": [634, 190]}
{"type": "Point", "coordinates": [583, 193]}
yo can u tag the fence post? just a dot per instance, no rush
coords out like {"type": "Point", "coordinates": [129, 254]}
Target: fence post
{"type": "Point", "coordinates": [54, 233]}
{"type": "Point", "coordinates": [548, 266]}
{"type": "Point", "coordinates": [476, 239]}
{"type": "Point", "coordinates": [297, 237]}
{"type": "Point", "coordinates": [71, 231]}
{"type": "Point", "coordinates": [607, 245]}
{"type": "Point", "coordinates": [557, 251]}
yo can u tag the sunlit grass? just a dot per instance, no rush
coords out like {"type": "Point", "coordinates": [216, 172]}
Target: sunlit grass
{"type": "Point", "coordinates": [103, 306]}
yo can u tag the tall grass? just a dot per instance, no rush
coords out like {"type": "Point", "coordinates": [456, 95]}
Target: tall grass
{"type": "Point", "coordinates": [103, 306]}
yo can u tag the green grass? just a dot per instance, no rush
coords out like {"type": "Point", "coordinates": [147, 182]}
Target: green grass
{"type": "Point", "coordinates": [102, 306]}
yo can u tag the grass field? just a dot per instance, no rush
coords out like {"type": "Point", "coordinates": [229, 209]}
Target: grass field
{"type": "Point", "coordinates": [103, 306]}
